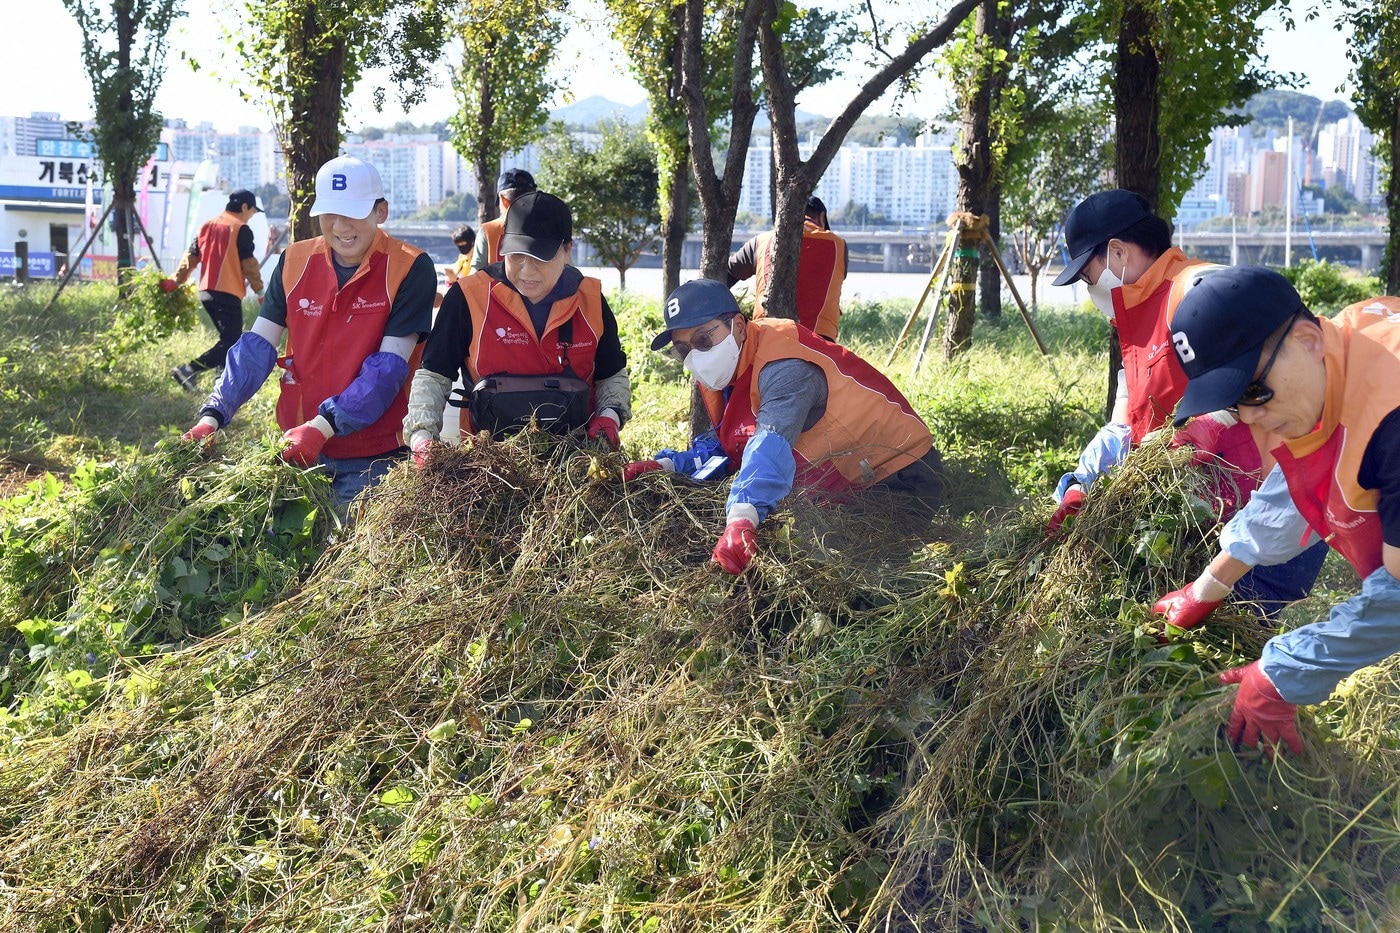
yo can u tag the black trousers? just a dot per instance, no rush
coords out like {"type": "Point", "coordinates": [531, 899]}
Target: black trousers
{"type": "Point", "coordinates": [226, 311]}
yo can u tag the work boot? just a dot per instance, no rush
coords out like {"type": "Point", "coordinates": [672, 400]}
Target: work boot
{"type": "Point", "coordinates": [186, 376]}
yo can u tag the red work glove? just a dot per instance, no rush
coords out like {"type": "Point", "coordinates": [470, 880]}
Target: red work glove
{"type": "Point", "coordinates": [304, 444]}
{"type": "Point", "coordinates": [605, 426]}
{"type": "Point", "coordinates": [422, 450]}
{"type": "Point", "coordinates": [639, 468]}
{"type": "Point", "coordinates": [1260, 713]}
{"type": "Point", "coordinates": [200, 432]}
{"type": "Point", "coordinates": [736, 546]}
{"type": "Point", "coordinates": [1071, 505]}
{"type": "Point", "coordinates": [1183, 608]}
{"type": "Point", "coordinates": [168, 285]}
{"type": "Point", "coordinates": [1203, 434]}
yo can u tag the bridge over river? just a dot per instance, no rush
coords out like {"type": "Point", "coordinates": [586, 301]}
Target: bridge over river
{"type": "Point", "coordinates": [913, 249]}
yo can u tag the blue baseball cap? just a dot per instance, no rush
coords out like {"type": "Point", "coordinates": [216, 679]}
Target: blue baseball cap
{"type": "Point", "coordinates": [1219, 330]}
{"type": "Point", "coordinates": [691, 305]}
{"type": "Point", "coordinates": [1096, 220]}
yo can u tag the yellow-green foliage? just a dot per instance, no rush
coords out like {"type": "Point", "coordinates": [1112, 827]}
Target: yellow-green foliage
{"type": "Point", "coordinates": [515, 695]}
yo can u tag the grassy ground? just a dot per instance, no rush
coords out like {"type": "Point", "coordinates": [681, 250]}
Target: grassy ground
{"type": "Point", "coordinates": [514, 696]}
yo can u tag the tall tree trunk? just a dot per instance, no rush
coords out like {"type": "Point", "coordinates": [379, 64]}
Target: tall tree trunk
{"type": "Point", "coordinates": [675, 209]}
{"type": "Point", "coordinates": [488, 169]}
{"type": "Point", "coordinates": [124, 185]}
{"type": "Point", "coordinates": [312, 137]}
{"type": "Point", "coordinates": [674, 226]}
{"type": "Point", "coordinates": [719, 196]}
{"type": "Point", "coordinates": [1392, 203]}
{"type": "Point", "coordinates": [974, 164]}
{"type": "Point", "coordinates": [989, 273]}
{"type": "Point", "coordinates": [1136, 104]}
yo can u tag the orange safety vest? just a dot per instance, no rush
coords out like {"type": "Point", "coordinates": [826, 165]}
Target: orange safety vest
{"type": "Point", "coordinates": [220, 268]}
{"type": "Point", "coordinates": [492, 230]}
{"type": "Point", "coordinates": [334, 330]}
{"type": "Point", "coordinates": [868, 432]}
{"type": "Point", "coordinates": [1156, 382]}
{"type": "Point", "coordinates": [821, 268]}
{"type": "Point", "coordinates": [1362, 356]}
{"type": "Point", "coordinates": [503, 336]}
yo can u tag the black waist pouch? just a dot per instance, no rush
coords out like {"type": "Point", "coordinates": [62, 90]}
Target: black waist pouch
{"type": "Point", "coordinates": [505, 404]}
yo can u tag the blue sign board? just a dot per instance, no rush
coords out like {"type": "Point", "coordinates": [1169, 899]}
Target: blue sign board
{"type": "Point", "coordinates": [36, 193]}
{"type": "Point", "coordinates": [82, 149]}
{"type": "Point", "coordinates": [41, 265]}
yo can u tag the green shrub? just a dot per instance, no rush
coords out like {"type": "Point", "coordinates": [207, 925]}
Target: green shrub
{"type": "Point", "coordinates": [1327, 287]}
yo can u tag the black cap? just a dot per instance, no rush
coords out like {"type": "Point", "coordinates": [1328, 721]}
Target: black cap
{"type": "Point", "coordinates": [515, 182]}
{"type": "Point", "coordinates": [237, 200]}
{"type": "Point", "coordinates": [815, 205]}
{"type": "Point", "coordinates": [537, 223]}
{"type": "Point", "coordinates": [1095, 220]}
{"type": "Point", "coordinates": [1219, 329]}
{"type": "Point", "coordinates": [691, 305]}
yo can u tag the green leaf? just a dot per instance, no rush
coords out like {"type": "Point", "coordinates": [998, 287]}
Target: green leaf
{"type": "Point", "coordinates": [396, 797]}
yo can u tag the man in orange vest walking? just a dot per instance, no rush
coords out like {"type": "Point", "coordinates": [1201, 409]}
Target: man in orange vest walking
{"type": "Point", "coordinates": [354, 305]}
{"type": "Point", "coordinates": [223, 250]}
{"type": "Point", "coordinates": [788, 408]}
{"type": "Point", "coordinates": [821, 269]}
{"type": "Point", "coordinates": [1320, 395]}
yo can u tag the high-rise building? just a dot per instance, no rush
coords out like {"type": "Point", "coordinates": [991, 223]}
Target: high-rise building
{"type": "Point", "coordinates": [19, 136]}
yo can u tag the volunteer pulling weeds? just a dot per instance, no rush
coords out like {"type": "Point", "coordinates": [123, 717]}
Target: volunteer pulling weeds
{"type": "Point", "coordinates": [788, 407]}
{"type": "Point", "coordinates": [1136, 278]}
{"type": "Point", "coordinates": [1324, 395]}
{"type": "Point", "coordinates": [532, 335]}
{"type": "Point", "coordinates": [354, 304]}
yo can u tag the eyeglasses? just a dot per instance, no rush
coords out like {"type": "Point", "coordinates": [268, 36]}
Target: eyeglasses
{"type": "Point", "coordinates": [1256, 393]}
{"type": "Point", "coordinates": [702, 341]}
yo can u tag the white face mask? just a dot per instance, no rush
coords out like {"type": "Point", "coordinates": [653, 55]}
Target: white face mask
{"type": "Point", "coordinates": [1101, 292]}
{"type": "Point", "coordinates": [715, 367]}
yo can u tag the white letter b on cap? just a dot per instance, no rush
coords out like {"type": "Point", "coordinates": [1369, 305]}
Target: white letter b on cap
{"type": "Point", "coordinates": [338, 183]}
{"type": "Point", "coordinates": [673, 307]}
{"type": "Point", "coordinates": [1183, 347]}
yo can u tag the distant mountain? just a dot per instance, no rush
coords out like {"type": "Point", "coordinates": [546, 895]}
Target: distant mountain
{"type": "Point", "coordinates": [591, 109]}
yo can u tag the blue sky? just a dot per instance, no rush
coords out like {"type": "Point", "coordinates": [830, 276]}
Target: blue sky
{"type": "Point", "coordinates": [47, 75]}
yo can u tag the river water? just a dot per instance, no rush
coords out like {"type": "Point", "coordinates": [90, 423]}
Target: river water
{"type": "Point", "coordinates": [866, 286]}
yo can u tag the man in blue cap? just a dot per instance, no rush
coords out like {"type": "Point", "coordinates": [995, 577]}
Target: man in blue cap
{"type": "Point", "coordinates": [1136, 278]}
{"type": "Point", "coordinates": [787, 408]}
{"type": "Point", "coordinates": [1323, 398]}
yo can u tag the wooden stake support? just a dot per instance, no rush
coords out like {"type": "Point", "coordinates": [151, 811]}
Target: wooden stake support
{"type": "Point", "coordinates": [965, 231]}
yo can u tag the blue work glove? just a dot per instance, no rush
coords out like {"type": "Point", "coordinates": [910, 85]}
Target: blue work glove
{"type": "Point", "coordinates": [1108, 449]}
{"type": "Point", "coordinates": [686, 462]}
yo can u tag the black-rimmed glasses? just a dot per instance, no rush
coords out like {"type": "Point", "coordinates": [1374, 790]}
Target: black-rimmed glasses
{"type": "Point", "coordinates": [1257, 393]}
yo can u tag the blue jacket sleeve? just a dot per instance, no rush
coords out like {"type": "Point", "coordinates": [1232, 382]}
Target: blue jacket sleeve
{"type": "Point", "coordinates": [1269, 530]}
{"type": "Point", "coordinates": [250, 359]}
{"type": "Point", "coordinates": [766, 474]}
{"type": "Point", "coordinates": [1108, 449]}
{"type": "Point", "coordinates": [687, 462]}
{"type": "Point", "coordinates": [369, 396]}
{"type": "Point", "coordinates": [1308, 662]}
